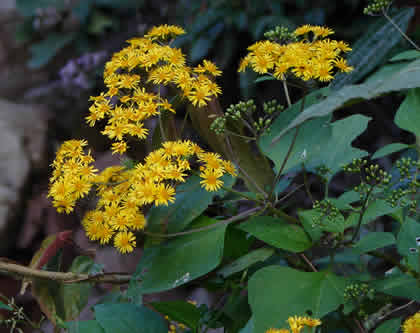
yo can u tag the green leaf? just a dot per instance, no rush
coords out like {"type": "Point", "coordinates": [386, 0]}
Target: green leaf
{"type": "Point", "coordinates": [246, 261]}
{"type": "Point", "coordinates": [126, 317]}
{"type": "Point", "coordinates": [183, 259]}
{"type": "Point", "coordinates": [278, 233]}
{"type": "Point", "coordinates": [46, 49]}
{"type": "Point", "coordinates": [398, 286]}
{"type": "Point", "coordinates": [276, 293]}
{"type": "Point", "coordinates": [200, 48]}
{"type": "Point", "coordinates": [372, 49]}
{"type": "Point", "coordinates": [264, 78]}
{"type": "Point", "coordinates": [180, 311]}
{"type": "Point", "coordinates": [85, 326]}
{"type": "Point", "coordinates": [311, 138]}
{"type": "Point", "coordinates": [306, 218]}
{"type": "Point", "coordinates": [389, 149]}
{"type": "Point", "coordinates": [389, 326]}
{"type": "Point", "coordinates": [191, 201]}
{"type": "Point", "coordinates": [375, 209]}
{"type": "Point", "coordinates": [338, 151]}
{"type": "Point", "coordinates": [407, 116]}
{"type": "Point", "coordinates": [406, 239]}
{"type": "Point", "coordinates": [373, 241]}
{"type": "Point", "coordinates": [406, 55]}
{"type": "Point", "coordinates": [406, 78]}
{"type": "Point", "coordinates": [249, 327]}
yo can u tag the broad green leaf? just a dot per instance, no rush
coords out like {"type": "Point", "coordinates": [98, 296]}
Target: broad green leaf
{"type": "Point", "coordinates": [407, 244]}
{"type": "Point", "coordinates": [389, 149]}
{"type": "Point", "coordinates": [406, 55]}
{"type": "Point", "coordinates": [375, 209]}
{"type": "Point", "coordinates": [400, 286]}
{"type": "Point", "coordinates": [406, 239]}
{"type": "Point", "coordinates": [45, 50]}
{"type": "Point", "coordinates": [179, 311]}
{"type": "Point", "coordinates": [276, 293]}
{"type": "Point", "coordinates": [246, 261]}
{"type": "Point", "coordinates": [191, 201]}
{"type": "Point", "coordinates": [183, 259]}
{"type": "Point", "coordinates": [407, 116]}
{"type": "Point", "coordinates": [307, 217]}
{"type": "Point", "coordinates": [385, 72]}
{"type": "Point", "coordinates": [344, 200]}
{"type": "Point", "coordinates": [372, 49]}
{"type": "Point", "coordinates": [390, 326]}
{"type": "Point", "coordinates": [338, 151]}
{"type": "Point", "coordinates": [85, 326]}
{"type": "Point", "coordinates": [373, 241]}
{"type": "Point", "coordinates": [310, 141]}
{"type": "Point", "coordinates": [237, 244]}
{"type": "Point", "coordinates": [278, 233]}
{"type": "Point", "coordinates": [126, 317]}
{"type": "Point", "coordinates": [408, 77]}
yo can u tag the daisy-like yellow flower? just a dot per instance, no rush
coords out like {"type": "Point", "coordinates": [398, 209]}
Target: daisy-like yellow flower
{"type": "Point", "coordinates": [309, 56]}
{"type": "Point", "coordinates": [412, 324]}
{"type": "Point", "coordinates": [211, 179]}
{"type": "Point", "coordinates": [125, 241]}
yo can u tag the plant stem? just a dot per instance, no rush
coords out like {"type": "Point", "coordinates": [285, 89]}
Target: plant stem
{"type": "Point", "coordinates": [408, 39]}
{"type": "Point", "coordinates": [286, 92]}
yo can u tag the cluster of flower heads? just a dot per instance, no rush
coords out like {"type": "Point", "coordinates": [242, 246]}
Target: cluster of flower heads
{"type": "Point", "coordinates": [310, 56]}
{"type": "Point", "coordinates": [130, 76]}
{"type": "Point", "coordinates": [296, 324]}
{"type": "Point", "coordinates": [72, 175]}
{"type": "Point", "coordinates": [412, 324]}
{"type": "Point", "coordinates": [124, 192]}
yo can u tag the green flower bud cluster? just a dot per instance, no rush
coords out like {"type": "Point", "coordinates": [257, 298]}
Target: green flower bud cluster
{"type": "Point", "coordinates": [404, 196]}
{"type": "Point", "coordinates": [234, 112]}
{"type": "Point", "coordinates": [376, 7]}
{"type": "Point", "coordinates": [323, 171]}
{"type": "Point", "coordinates": [281, 35]}
{"type": "Point", "coordinates": [272, 107]}
{"type": "Point", "coordinates": [261, 124]}
{"type": "Point", "coordinates": [358, 291]}
{"type": "Point", "coordinates": [355, 166]}
{"type": "Point", "coordinates": [328, 211]}
{"type": "Point", "coordinates": [377, 176]}
{"type": "Point", "coordinates": [405, 164]}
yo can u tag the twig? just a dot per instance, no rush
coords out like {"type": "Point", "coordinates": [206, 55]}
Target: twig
{"type": "Point", "coordinates": [65, 277]}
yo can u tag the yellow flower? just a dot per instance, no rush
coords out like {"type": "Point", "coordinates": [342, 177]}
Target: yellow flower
{"type": "Point", "coordinates": [125, 241]}
{"type": "Point", "coordinates": [119, 147]}
{"type": "Point", "coordinates": [412, 324]}
{"type": "Point", "coordinates": [211, 181]}
{"type": "Point", "coordinates": [199, 96]}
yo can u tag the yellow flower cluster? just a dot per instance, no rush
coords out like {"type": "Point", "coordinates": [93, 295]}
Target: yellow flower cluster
{"type": "Point", "coordinates": [72, 175]}
{"type": "Point", "coordinates": [312, 56]}
{"type": "Point", "coordinates": [296, 324]}
{"type": "Point", "coordinates": [128, 76]}
{"type": "Point", "coordinates": [412, 324]}
{"type": "Point", "coordinates": [123, 193]}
